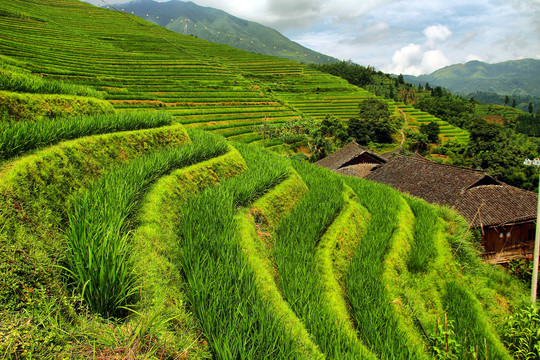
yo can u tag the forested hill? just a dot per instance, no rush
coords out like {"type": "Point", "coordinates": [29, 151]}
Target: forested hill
{"type": "Point", "coordinates": [220, 27]}
{"type": "Point", "coordinates": [517, 77]}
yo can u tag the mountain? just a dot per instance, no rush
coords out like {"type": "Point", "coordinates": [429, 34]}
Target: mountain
{"type": "Point", "coordinates": [516, 77]}
{"type": "Point", "coordinates": [220, 27]}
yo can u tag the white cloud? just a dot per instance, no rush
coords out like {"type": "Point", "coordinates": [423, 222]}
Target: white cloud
{"type": "Point", "coordinates": [415, 59]}
{"type": "Point", "coordinates": [433, 60]}
{"type": "Point", "coordinates": [436, 34]}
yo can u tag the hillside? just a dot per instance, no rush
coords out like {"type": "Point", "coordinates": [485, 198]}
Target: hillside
{"type": "Point", "coordinates": [517, 77]}
{"type": "Point", "coordinates": [126, 231]}
{"type": "Point", "coordinates": [220, 27]}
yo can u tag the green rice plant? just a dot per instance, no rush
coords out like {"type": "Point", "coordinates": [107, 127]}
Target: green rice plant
{"type": "Point", "coordinates": [97, 259]}
{"type": "Point", "coordinates": [156, 246]}
{"type": "Point", "coordinates": [17, 80]}
{"type": "Point", "coordinates": [20, 137]}
{"type": "Point", "coordinates": [426, 226]}
{"type": "Point", "coordinates": [298, 261]}
{"type": "Point", "coordinates": [471, 325]}
{"type": "Point", "coordinates": [379, 321]}
{"type": "Point", "coordinates": [236, 319]}
{"type": "Point", "coordinates": [20, 107]}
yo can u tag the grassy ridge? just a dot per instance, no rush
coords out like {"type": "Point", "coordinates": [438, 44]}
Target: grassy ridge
{"type": "Point", "coordinates": [156, 246]}
{"type": "Point", "coordinates": [372, 307]}
{"type": "Point", "coordinates": [20, 137]}
{"type": "Point", "coordinates": [295, 257]}
{"type": "Point", "coordinates": [223, 286]}
{"type": "Point", "coordinates": [32, 107]}
{"type": "Point", "coordinates": [98, 250]}
{"type": "Point", "coordinates": [17, 80]}
{"type": "Point", "coordinates": [332, 257]}
{"type": "Point", "coordinates": [35, 190]}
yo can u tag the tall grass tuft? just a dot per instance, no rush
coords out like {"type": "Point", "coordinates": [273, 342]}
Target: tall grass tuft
{"type": "Point", "coordinates": [19, 137]}
{"type": "Point", "coordinates": [425, 229]}
{"type": "Point", "coordinates": [97, 260]}
{"type": "Point", "coordinates": [18, 80]}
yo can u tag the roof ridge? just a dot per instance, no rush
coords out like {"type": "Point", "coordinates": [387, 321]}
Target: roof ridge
{"type": "Point", "coordinates": [443, 164]}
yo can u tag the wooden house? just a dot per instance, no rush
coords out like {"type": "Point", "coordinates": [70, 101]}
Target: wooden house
{"type": "Point", "coordinates": [506, 215]}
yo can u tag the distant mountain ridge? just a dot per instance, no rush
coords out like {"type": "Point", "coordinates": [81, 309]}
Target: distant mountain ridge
{"type": "Point", "coordinates": [515, 77]}
{"type": "Point", "coordinates": [220, 27]}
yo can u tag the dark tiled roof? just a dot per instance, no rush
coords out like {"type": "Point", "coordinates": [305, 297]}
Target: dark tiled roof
{"type": "Point", "coordinates": [499, 205]}
{"type": "Point", "coordinates": [360, 170]}
{"type": "Point", "coordinates": [431, 181]}
{"type": "Point", "coordinates": [346, 156]}
{"type": "Point", "coordinates": [464, 189]}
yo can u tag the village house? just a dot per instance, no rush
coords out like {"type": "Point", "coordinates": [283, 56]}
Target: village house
{"type": "Point", "coordinates": [506, 215]}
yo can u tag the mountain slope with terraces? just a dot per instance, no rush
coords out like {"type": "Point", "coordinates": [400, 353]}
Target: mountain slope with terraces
{"type": "Point", "coordinates": [128, 231]}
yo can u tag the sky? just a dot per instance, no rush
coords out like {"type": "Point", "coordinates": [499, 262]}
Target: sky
{"type": "Point", "coordinates": [401, 37]}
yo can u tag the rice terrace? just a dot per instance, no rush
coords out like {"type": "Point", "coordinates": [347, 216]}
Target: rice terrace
{"type": "Point", "coordinates": [144, 214]}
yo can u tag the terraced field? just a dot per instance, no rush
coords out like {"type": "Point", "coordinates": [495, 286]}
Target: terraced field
{"type": "Point", "coordinates": [138, 65]}
{"type": "Point", "coordinates": [136, 234]}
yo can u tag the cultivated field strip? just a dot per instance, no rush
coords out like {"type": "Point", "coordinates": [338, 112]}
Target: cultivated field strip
{"type": "Point", "coordinates": [225, 287]}
{"type": "Point", "coordinates": [156, 245]}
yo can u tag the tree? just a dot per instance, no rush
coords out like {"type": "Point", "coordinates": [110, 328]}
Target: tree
{"type": "Point", "coordinates": [374, 124]}
{"type": "Point", "coordinates": [530, 108]}
{"type": "Point", "coordinates": [360, 131]}
{"type": "Point", "coordinates": [506, 100]}
{"type": "Point", "coordinates": [514, 103]}
{"type": "Point", "coordinates": [432, 131]}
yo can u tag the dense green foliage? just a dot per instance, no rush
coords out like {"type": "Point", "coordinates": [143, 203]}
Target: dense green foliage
{"type": "Point", "coordinates": [355, 74]}
{"type": "Point", "coordinates": [374, 123]}
{"type": "Point", "coordinates": [522, 334]}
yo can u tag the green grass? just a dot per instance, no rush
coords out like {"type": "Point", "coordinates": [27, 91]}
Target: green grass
{"type": "Point", "coordinates": [426, 227]}
{"type": "Point", "coordinates": [20, 137]}
{"type": "Point", "coordinates": [156, 246]}
{"type": "Point", "coordinates": [31, 107]}
{"type": "Point", "coordinates": [376, 316]}
{"type": "Point", "coordinates": [223, 287]}
{"type": "Point", "coordinates": [98, 250]}
{"type": "Point", "coordinates": [16, 80]}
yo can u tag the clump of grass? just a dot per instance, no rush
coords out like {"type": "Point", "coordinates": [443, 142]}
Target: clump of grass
{"type": "Point", "coordinates": [98, 257]}
{"type": "Point", "coordinates": [425, 229]}
{"type": "Point", "coordinates": [20, 137]}
{"type": "Point", "coordinates": [31, 107]}
{"type": "Point", "coordinates": [18, 80]}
